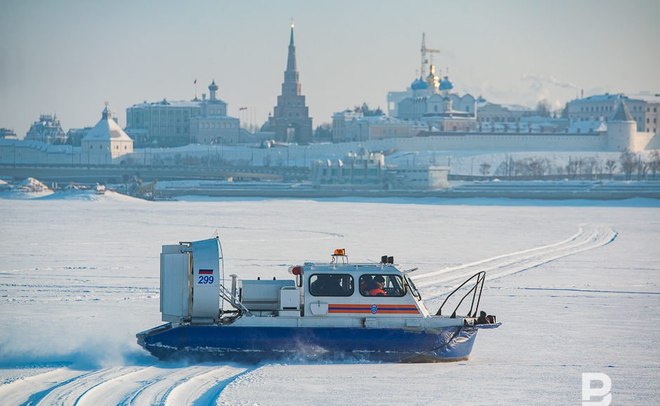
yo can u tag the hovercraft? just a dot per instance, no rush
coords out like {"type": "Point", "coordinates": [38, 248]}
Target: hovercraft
{"type": "Point", "coordinates": [336, 310]}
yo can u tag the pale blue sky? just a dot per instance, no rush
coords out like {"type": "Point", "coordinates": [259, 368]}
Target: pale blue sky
{"type": "Point", "coordinates": [68, 57]}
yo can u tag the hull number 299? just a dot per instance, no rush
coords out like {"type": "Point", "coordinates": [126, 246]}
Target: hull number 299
{"type": "Point", "coordinates": [205, 279]}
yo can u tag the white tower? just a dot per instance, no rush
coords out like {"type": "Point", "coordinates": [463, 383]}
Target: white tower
{"type": "Point", "coordinates": [106, 143]}
{"type": "Point", "coordinates": [212, 89]}
{"type": "Point", "coordinates": [621, 130]}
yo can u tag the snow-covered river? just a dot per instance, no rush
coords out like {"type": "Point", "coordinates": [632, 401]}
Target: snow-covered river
{"type": "Point", "coordinates": [576, 286]}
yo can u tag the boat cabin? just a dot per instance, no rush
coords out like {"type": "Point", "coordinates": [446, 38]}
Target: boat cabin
{"type": "Point", "coordinates": [334, 290]}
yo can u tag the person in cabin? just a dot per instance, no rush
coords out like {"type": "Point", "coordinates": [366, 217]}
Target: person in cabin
{"type": "Point", "coordinates": [379, 284]}
{"type": "Point", "coordinates": [366, 284]}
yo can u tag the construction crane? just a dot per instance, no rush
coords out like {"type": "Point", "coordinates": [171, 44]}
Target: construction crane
{"type": "Point", "coordinates": [424, 50]}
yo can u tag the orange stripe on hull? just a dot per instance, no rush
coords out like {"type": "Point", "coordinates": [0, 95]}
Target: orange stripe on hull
{"type": "Point", "coordinates": [347, 308]}
{"type": "Point", "coordinates": [379, 311]}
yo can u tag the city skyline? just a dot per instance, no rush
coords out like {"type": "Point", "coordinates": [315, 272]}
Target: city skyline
{"type": "Point", "coordinates": [68, 57]}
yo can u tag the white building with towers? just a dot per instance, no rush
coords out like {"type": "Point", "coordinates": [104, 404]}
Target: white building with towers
{"type": "Point", "coordinates": [212, 125]}
{"type": "Point", "coordinates": [47, 129]}
{"type": "Point", "coordinates": [174, 123]}
{"type": "Point", "coordinates": [106, 143]}
{"type": "Point", "coordinates": [430, 99]}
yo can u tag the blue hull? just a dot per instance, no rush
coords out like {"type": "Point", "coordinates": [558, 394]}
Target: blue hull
{"type": "Point", "coordinates": [254, 344]}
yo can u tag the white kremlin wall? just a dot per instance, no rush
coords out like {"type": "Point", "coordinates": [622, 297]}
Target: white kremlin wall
{"type": "Point", "coordinates": [617, 139]}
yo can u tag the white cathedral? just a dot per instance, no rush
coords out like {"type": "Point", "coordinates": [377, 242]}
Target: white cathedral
{"type": "Point", "coordinates": [433, 103]}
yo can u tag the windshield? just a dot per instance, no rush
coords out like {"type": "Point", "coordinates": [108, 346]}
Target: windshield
{"type": "Point", "coordinates": [382, 285]}
{"type": "Point", "coordinates": [413, 288]}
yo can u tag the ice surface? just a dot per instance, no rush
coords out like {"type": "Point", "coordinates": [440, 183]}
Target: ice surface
{"type": "Point", "coordinates": [575, 285]}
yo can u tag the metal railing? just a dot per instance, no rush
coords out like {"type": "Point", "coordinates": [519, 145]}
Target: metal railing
{"type": "Point", "coordinates": [475, 292]}
{"type": "Point", "coordinates": [227, 296]}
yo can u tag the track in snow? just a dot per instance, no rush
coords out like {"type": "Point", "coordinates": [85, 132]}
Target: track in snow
{"type": "Point", "coordinates": [167, 384]}
{"type": "Point", "coordinates": [436, 283]}
{"type": "Point", "coordinates": [159, 384]}
{"type": "Point", "coordinates": [31, 390]}
{"type": "Point", "coordinates": [71, 391]}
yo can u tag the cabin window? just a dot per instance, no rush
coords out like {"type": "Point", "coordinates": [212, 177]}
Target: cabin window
{"type": "Point", "coordinates": [381, 285]}
{"type": "Point", "coordinates": [331, 285]}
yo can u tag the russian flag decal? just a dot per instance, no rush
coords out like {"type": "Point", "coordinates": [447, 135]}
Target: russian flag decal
{"type": "Point", "coordinates": [206, 271]}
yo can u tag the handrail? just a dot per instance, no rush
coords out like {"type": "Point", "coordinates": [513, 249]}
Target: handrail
{"type": "Point", "coordinates": [475, 290]}
{"type": "Point", "coordinates": [232, 300]}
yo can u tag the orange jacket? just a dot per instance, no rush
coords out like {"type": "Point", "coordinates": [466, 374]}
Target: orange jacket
{"type": "Point", "coordinates": [377, 292]}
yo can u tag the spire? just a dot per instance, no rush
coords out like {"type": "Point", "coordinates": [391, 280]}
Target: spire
{"type": "Point", "coordinates": [106, 114]}
{"type": "Point", "coordinates": [291, 39]}
{"type": "Point", "coordinates": [291, 61]}
{"type": "Point", "coordinates": [290, 120]}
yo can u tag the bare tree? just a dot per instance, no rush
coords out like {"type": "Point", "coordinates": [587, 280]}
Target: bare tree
{"type": "Point", "coordinates": [588, 167]}
{"type": "Point", "coordinates": [323, 132]}
{"type": "Point", "coordinates": [506, 168]}
{"type": "Point", "coordinates": [599, 169]}
{"type": "Point", "coordinates": [517, 168]}
{"type": "Point", "coordinates": [654, 162]}
{"type": "Point", "coordinates": [572, 167]}
{"type": "Point", "coordinates": [642, 167]}
{"type": "Point", "coordinates": [547, 166]}
{"type": "Point", "coordinates": [580, 166]}
{"type": "Point", "coordinates": [538, 167]}
{"type": "Point", "coordinates": [484, 169]}
{"type": "Point", "coordinates": [628, 163]}
{"type": "Point", "coordinates": [610, 164]}
{"type": "Point", "coordinates": [502, 169]}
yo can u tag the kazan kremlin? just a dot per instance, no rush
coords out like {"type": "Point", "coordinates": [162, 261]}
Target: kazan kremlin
{"type": "Point", "coordinates": [429, 132]}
